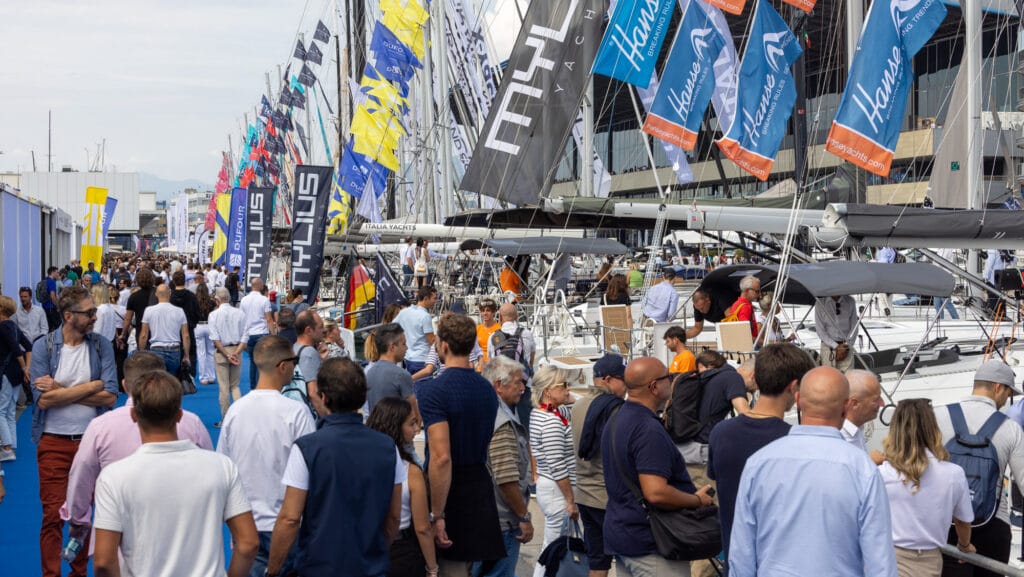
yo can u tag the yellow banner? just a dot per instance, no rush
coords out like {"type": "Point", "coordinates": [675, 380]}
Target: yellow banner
{"type": "Point", "coordinates": [92, 232]}
{"type": "Point", "coordinates": [220, 238]}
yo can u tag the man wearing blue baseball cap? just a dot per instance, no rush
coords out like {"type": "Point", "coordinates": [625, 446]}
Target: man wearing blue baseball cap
{"type": "Point", "coordinates": [589, 416]}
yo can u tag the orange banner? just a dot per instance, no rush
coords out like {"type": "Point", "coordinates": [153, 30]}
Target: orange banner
{"type": "Point", "coordinates": [855, 148]}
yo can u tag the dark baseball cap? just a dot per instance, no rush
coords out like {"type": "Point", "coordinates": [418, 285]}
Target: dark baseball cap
{"type": "Point", "coordinates": [610, 365]}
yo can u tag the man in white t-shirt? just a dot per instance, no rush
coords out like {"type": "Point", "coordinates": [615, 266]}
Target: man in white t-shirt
{"type": "Point", "coordinates": [258, 433]}
{"type": "Point", "coordinates": [165, 331]}
{"type": "Point", "coordinates": [259, 323]}
{"type": "Point", "coordinates": [165, 505]}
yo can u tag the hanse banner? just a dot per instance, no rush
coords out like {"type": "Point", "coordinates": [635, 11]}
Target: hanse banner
{"type": "Point", "coordinates": [687, 82]}
{"type": "Point", "coordinates": [312, 193]}
{"type": "Point", "coordinates": [867, 123]}
{"type": "Point", "coordinates": [632, 42]}
{"type": "Point", "coordinates": [766, 94]}
{"type": "Point", "coordinates": [258, 233]}
{"type": "Point", "coordinates": [529, 123]}
{"type": "Point", "coordinates": [236, 231]}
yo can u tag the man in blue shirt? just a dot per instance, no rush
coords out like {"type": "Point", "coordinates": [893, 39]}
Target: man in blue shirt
{"type": "Point", "coordinates": [419, 329]}
{"type": "Point", "coordinates": [50, 304]}
{"type": "Point", "coordinates": [810, 503]}
{"type": "Point", "coordinates": [637, 451]}
{"type": "Point", "coordinates": [662, 298]}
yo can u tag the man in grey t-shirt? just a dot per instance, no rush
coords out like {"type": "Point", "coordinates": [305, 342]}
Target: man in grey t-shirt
{"type": "Point", "coordinates": [310, 329]}
{"type": "Point", "coordinates": [385, 378]}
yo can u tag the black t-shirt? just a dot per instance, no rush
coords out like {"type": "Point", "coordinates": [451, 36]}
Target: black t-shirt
{"type": "Point", "coordinates": [721, 386]}
{"type": "Point", "coordinates": [186, 301]}
{"type": "Point", "coordinates": [622, 300]}
{"type": "Point", "coordinates": [138, 302]}
{"type": "Point", "coordinates": [715, 314]}
{"type": "Point", "coordinates": [231, 282]}
{"type": "Point", "coordinates": [733, 441]}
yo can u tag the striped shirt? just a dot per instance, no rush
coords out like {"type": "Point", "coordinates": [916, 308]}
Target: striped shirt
{"type": "Point", "coordinates": [503, 455]}
{"type": "Point", "coordinates": [552, 445]}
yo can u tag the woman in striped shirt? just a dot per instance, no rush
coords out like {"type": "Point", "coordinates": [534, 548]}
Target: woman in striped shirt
{"type": "Point", "coordinates": [551, 441]}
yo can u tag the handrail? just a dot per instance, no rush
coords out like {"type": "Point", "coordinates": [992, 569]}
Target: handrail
{"type": "Point", "coordinates": [981, 561]}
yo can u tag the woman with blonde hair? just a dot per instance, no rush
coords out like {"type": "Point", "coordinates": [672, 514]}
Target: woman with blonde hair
{"type": "Point", "coordinates": [370, 345]}
{"type": "Point", "coordinates": [551, 442]}
{"type": "Point", "coordinates": [925, 491]}
{"type": "Point", "coordinates": [15, 359]}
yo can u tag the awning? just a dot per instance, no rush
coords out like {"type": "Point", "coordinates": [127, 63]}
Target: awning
{"type": "Point", "coordinates": [547, 244]}
{"type": "Point", "coordinates": [834, 278]}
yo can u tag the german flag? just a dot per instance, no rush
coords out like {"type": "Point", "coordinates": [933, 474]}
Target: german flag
{"type": "Point", "coordinates": [361, 291]}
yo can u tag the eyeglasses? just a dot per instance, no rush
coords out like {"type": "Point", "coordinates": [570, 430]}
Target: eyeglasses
{"type": "Point", "coordinates": [666, 377]}
{"type": "Point", "coordinates": [293, 360]}
{"type": "Point", "coordinates": [88, 313]}
{"type": "Point", "coordinates": [562, 385]}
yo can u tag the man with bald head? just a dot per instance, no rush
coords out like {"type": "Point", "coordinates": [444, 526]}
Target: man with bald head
{"type": "Point", "coordinates": [259, 322]}
{"type": "Point", "coordinates": [862, 407]}
{"type": "Point", "coordinates": [637, 452]}
{"type": "Point", "coordinates": [810, 503]}
{"type": "Point", "coordinates": [523, 346]}
{"type": "Point", "coordinates": [165, 331]}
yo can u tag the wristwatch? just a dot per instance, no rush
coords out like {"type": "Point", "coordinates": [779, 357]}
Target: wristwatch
{"type": "Point", "coordinates": [434, 518]}
{"type": "Point", "coordinates": [525, 518]}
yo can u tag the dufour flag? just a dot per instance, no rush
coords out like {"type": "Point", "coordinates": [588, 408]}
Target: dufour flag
{"type": "Point", "coordinates": [766, 94]}
{"type": "Point", "coordinates": [687, 81]}
{"type": "Point", "coordinates": [631, 44]}
{"type": "Point", "coordinates": [236, 229]}
{"type": "Point", "coordinates": [867, 123]}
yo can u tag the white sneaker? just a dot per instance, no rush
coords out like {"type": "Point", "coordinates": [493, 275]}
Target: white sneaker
{"type": "Point", "coordinates": [7, 455]}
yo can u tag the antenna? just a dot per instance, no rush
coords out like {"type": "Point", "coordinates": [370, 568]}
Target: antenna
{"type": "Point", "coordinates": [33, 161]}
{"type": "Point", "coordinates": [49, 141]}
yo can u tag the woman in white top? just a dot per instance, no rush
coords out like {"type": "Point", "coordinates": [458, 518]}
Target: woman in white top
{"type": "Point", "coordinates": [421, 268]}
{"type": "Point", "coordinates": [925, 491]}
{"type": "Point", "coordinates": [109, 315]}
{"type": "Point", "coordinates": [551, 443]}
{"type": "Point", "coordinates": [412, 553]}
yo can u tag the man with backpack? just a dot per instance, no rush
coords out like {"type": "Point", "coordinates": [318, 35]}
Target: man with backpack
{"type": "Point", "coordinates": [518, 344]}
{"type": "Point", "coordinates": [310, 328]}
{"type": "Point", "coordinates": [991, 441]}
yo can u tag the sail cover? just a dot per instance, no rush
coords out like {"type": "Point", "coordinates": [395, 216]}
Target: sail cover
{"type": "Point", "coordinates": [870, 220]}
{"type": "Point", "coordinates": [547, 244]}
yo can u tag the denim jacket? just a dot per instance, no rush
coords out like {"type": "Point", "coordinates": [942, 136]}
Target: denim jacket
{"type": "Point", "coordinates": [101, 365]}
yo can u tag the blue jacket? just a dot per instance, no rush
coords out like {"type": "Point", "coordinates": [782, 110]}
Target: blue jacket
{"type": "Point", "coordinates": [46, 358]}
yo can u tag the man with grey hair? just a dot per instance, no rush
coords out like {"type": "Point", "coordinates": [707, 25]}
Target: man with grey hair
{"type": "Point", "coordinates": [861, 408]}
{"type": "Point", "coordinates": [227, 331]}
{"type": "Point", "coordinates": [743, 308]}
{"type": "Point", "coordinates": [508, 460]}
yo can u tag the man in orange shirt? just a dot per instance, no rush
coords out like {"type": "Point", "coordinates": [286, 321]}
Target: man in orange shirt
{"type": "Point", "coordinates": [484, 330]}
{"type": "Point", "coordinates": [675, 341]}
{"type": "Point", "coordinates": [509, 280]}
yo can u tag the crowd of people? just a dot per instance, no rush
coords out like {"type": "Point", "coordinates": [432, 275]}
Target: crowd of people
{"type": "Point", "coordinates": [316, 469]}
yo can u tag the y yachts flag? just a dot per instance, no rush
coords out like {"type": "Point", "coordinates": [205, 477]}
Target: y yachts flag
{"type": "Point", "coordinates": [361, 291]}
{"type": "Point", "coordinates": [524, 136]}
{"type": "Point", "coordinates": [867, 124]}
{"type": "Point", "coordinates": [630, 47]}
{"type": "Point", "coordinates": [322, 34]}
{"type": "Point", "coordinates": [236, 230]}
{"type": "Point", "coordinates": [92, 232]}
{"type": "Point", "coordinates": [312, 193]}
{"type": "Point", "coordinates": [766, 94]}
{"type": "Point", "coordinates": [220, 237]}
{"type": "Point", "coordinates": [687, 81]}
{"type": "Point", "coordinates": [258, 233]}
{"type": "Point", "coordinates": [389, 292]}
{"type": "Point", "coordinates": [108, 215]}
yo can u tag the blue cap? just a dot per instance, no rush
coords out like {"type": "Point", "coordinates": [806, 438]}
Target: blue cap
{"type": "Point", "coordinates": [610, 365]}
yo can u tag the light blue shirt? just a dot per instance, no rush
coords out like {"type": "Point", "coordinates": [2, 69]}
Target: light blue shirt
{"type": "Point", "coordinates": [417, 324]}
{"type": "Point", "coordinates": [662, 302]}
{"type": "Point", "coordinates": [811, 504]}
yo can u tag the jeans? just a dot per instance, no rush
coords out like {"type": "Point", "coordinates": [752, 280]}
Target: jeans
{"type": "Point", "coordinates": [8, 422]}
{"type": "Point", "coordinates": [259, 565]}
{"type": "Point", "coordinates": [945, 304]}
{"type": "Point", "coordinates": [54, 457]}
{"type": "Point", "coordinates": [172, 359]}
{"type": "Point", "coordinates": [407, 273]}
{"type": "Point", "coordinates": [414, 366]}
{"type": "Point", "coordinates": [502, 567]}
{"type": "Point", "coordinates": [552, 504]}
{"type": "Point", "coordinates": [254, 373]}
{"type": "Point", "coordinates": [204, 354]}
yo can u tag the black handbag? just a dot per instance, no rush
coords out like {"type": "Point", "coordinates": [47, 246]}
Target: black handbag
{"type": "Point", "coordinates": [682, 535]}
{"type": "Point", "coordinates": [188, 384]}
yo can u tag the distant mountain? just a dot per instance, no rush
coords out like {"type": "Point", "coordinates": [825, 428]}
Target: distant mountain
{"type": "Point", "coordinates": [166, 189]}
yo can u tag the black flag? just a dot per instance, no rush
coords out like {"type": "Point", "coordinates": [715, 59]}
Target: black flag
{"type": "Point", "coordinates": [309, 210]}
{"type": "Point", "coordinates": [258, 235]}
{"type": "Point", "coordinates": [388, 290]}
{"type": "Point", "coordinates": [314, 54]}
{"type": "Point", "coordinates": [322, 34]}
{"type": "Point", "coordinates": [298, 99]}
{"type": "Point", "coordinates": [524, 137]}
{"type": "Point", "coordinates": [300, 53]}
{"type": "Point", "coordinates": [306, 76]}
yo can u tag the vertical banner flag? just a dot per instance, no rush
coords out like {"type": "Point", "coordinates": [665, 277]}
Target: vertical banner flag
{"type": "Point", "coordinates": [632, 42]}
{"type": "Point", "coordinates": [182, 223]}
{"type": "Point", "coordinates": [220, 237]}
{"type": "Point", "coordinates": [258, 235]}
{"type": "Point", "coordinates": [524, 137]}
{"type": "Point", "coordinates": [361, 291]}
{"type": "Point", "coordinates": [193, 237]}
{"type": "Point", "coordinates": [311, 196]}
{"type": "Point", "coordinates": [867, 123]}
{"type": "Point", "coordinates": [766, 94]}
{"type": "Point", "coordinates": [108, 216]}
{"type": "Point", "coordinates": [687, 81]}
{"type": "Point", "coordinates": [235, 253]}
{"type": "Point", "coordinates": [92, 237]}
{"type": "Point", "coordinates": [389, 292]}
{"type": "Point", "coordinates": [203, 246]}
{"type": "Point", "coordinates": [674, 154]}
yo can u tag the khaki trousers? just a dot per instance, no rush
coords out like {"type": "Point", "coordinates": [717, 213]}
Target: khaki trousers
{"type": "Point", "coordinates": [926, 563]}
{"type": "Point", "coordinates": [228, 377]}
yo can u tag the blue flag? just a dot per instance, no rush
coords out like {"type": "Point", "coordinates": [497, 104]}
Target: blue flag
{"type": "Point", "coordinates": [395, 60]}
{"type": "Point", "coordinates": [108, 214]}
{"type": "Point", "coordinates": [867, 123]}
{"type": "Point", "coordinates": [631, 44]}
{"type": "Point", "coordinates": [235, 253]}
{"type": "Point", "coordinates": [766, 94]}
{"type": "Point", "coordinates": [687, 82]}
{"type": "Point", "coordinates": [356, 171]}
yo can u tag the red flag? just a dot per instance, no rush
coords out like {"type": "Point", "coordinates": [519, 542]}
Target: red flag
{"type": "Point", "coordinates": [222, 185]}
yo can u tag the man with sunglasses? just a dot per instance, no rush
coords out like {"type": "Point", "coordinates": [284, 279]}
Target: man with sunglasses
{"type": "Point", "coordinates": [74, 380]}
{"type": "Point", "coordinates": [835, 321]}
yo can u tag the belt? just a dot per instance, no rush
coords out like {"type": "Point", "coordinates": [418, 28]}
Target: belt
{"type": "Point", "coordinates": [171, 348]}
{"type": "Point", "coordinates": [65, 437]}
{"type": "Point", "coordinates": [201, 322]}
{"type": "Point", "coordinates": [229, 344]}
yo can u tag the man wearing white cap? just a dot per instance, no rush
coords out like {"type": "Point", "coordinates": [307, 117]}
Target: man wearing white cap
{"type": "Point", "coordinates": [993, 385]}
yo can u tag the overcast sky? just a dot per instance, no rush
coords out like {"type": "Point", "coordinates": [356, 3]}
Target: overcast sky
{"type": "Point", "coordinates": [163, 81]}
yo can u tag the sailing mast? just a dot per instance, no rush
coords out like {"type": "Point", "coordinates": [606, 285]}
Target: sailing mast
{"type": "Point", "coordinates": [972, 57]}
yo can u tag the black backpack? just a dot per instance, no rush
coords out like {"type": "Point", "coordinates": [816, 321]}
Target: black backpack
{"type": "Point", "coordinates": [296, 388]}
{"type": "Point", "coordinates": [510, 346]}
{"type": "Point", "coordinates": [684, 423]}
{"type": "Point", "coordinates": [42, 294]}
{"type": "Point", "coordinates": [978, 457]}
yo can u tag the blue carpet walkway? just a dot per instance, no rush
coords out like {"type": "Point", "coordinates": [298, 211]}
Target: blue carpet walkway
{"type": "Point", "coordinates": [21, 512]}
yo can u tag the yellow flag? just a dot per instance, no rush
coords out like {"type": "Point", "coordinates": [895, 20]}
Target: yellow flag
{"type": "Point", "coordinates": [220, 237]}
{"type": "Point", "coordinates": [92, 232]}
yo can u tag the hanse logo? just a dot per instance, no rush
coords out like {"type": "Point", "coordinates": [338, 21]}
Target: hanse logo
{"type": "Point", "coordinates": [897, 9]}
{"type": "Point", "coordinates": [774, 46]}
{"type": "Point", "coordinates": [698, 39]}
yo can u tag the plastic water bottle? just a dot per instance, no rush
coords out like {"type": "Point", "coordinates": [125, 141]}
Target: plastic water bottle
{"type": "Point", "coordinates": [70, 551]}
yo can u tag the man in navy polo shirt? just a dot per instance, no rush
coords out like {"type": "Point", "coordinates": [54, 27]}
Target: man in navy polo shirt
{"type": "Point", "coordinates": [343, 494]}
{"type": "Point", "coordinates": [637, 451]}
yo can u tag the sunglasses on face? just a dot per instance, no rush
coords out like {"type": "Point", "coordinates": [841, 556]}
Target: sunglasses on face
{"type": "Point", "coordinates": [88, 313]}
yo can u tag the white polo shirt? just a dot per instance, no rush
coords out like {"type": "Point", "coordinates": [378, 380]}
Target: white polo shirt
{"type": "Point", "coordinates": [164, 320]}
{"type": "Point", "coordinates": [169, 501]}
{"type": "Point", "coordinates": [921, 520]}
{"type": "Point", "coordinates": [255, 306]}
{"type": "Point", "coordinates": [227, 325]}
{"type": "Point", "coordinates": [257, 434]}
